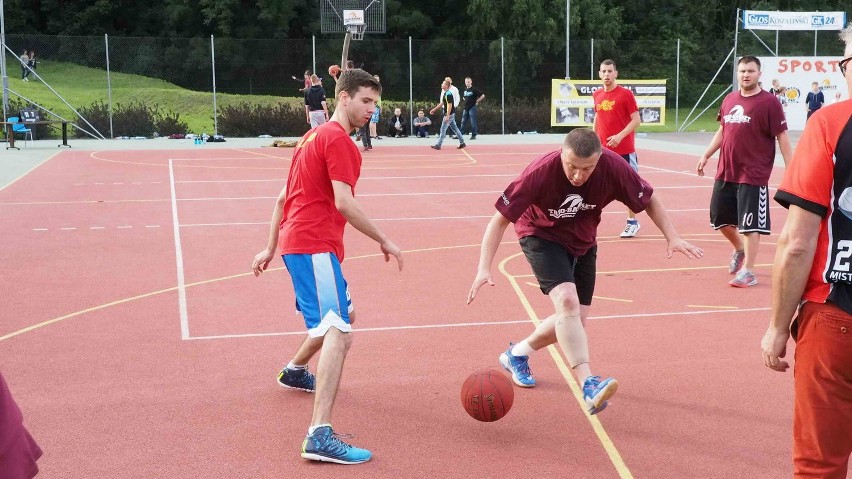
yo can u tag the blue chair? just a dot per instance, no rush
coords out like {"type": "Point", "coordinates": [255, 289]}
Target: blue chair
{"type": "Point", "coordinates": [20, 128]}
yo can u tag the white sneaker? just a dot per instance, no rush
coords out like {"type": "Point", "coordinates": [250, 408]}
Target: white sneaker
{"type": "Point", "coordinates": [630, 229]}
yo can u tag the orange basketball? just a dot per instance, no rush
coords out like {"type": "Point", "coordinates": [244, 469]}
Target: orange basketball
{"type": "Point", "coordinates": [334, 70]}
{"type": "Point", "coordinates": [487, 395]}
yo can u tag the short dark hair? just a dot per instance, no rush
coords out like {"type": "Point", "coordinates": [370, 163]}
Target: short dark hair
{"type": "Point", "coordinates": [609, 62]}
{"type": "Point", "coordinates": [308, 72]}
{"type": "Point", "coordinates": [749, 59]}
{"type": "Point", "coordinates": [583, 142]}
{"type": "Point", "coordinates": [351, 81]}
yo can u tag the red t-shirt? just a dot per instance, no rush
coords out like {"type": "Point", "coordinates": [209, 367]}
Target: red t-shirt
{"type": "Point", "coordinates": [612, 114]}
{"type": "Point", "coordinates": [749, 127]}
{"type": "Point", "coordinates": [543, 203]}
{"type": "Point", "coordinates": [819, 179]}
{"type": "Point", "coordinates": [311, 223]}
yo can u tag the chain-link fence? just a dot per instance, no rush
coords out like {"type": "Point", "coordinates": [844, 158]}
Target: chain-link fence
{"type": "Point", "coordinates": [135, 86]}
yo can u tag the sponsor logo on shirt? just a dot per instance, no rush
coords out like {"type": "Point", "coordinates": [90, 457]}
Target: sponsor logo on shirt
{"type": "Point", "coordinates": [505, 200]}
{"type": "Point", "coordinates": [569, 208]}
{"type": "Point", "coordinates": [737, 115]}
{"type": "Point", "coordinates": [607, 105]}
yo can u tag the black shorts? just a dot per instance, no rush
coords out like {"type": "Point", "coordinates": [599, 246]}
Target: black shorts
{"type": "Point", "coordinates": [740, 205]}
{"type": "Point", "coordinates": [553, 265]}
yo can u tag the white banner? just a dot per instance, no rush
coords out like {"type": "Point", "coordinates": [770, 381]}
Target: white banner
{"type": "Point", "coordinates": [762, 20]}
{"type": "Point", "coordinates": [795, 77]}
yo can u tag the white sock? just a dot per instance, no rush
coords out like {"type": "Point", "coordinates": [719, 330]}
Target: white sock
{"type": "Point", "coordinates": [291, 365]}
{"type": "Point", "coordinates": [522, 349]}
{"type": "Point", "coordinates": [314, 428]}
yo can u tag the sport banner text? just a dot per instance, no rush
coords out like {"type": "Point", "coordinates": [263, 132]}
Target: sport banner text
{"type": "Point", "coordinates": [572, 103]}
{"type": "Point", "coordinates": [761, 20]}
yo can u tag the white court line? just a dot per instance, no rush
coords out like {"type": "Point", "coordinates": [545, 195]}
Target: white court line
{"type": "Point", "coordinates": [425, 177]}
{"type": "Point", "coordinates": [181, 284]}
{"type": "Point", "coordinates": [484, 323]}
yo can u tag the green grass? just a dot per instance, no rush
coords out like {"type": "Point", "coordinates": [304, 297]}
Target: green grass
{"type": "Point", "coordinates": [82, 86]}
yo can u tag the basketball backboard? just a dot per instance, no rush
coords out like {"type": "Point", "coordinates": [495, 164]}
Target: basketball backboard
{"type": "Point", "coordinates": [335, 15]}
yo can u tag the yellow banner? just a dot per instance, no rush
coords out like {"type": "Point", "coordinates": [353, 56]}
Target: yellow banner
{"type": "Point", "coordinates": [572, 103]}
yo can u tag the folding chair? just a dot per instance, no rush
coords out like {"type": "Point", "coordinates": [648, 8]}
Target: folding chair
{"type": "Point", "coordinates": [20, 128]}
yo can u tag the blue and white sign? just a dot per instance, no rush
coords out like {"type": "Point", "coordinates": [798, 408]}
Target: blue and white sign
{"type": "Point", "coordinates": [762, 20]}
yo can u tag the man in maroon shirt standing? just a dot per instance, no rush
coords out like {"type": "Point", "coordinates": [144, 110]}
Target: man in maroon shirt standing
{"type": "Point", "coordinates": [556, 206]}
{"type": "Point", "coordinates": [752, 119]}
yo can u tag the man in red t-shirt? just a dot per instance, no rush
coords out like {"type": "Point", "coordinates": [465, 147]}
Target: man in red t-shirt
{"type": "Point", "coordinates": [307, 227]}
{"type": "Point", "coordinates": [556, 206]}
{"type": "Point", "coordinates": [751, 121]}
{"type": "Point", "coordinates": [812, 274]}
{"type": "Point", "coordinates": [616, 120]}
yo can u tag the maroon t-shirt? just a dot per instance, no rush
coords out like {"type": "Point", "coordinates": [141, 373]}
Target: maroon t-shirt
{"type": "Point", "coordinates": [749, 127]}
{"type": "Point", "coordinates": [543, 203]}
{"type": "Point", "coordinates": [18, 451]}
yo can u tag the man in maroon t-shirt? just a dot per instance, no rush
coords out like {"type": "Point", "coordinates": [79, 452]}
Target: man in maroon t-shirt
{"type": "Point", "coordinates": [556, 207]}
{"type": "Point", "coordinates": [752, 120]}
{"type": "Point", "coordinates": [616, 120]}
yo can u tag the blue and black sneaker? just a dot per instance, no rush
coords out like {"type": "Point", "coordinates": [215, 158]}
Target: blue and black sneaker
{"type": "Point", "coordinates": [597, 391]}
{"type": "Point", "coordinates": [324, 445]}
{"type": "Point", "coordinates": [297, 378]}
{"type": "Point", "coordinates": [519, 366]}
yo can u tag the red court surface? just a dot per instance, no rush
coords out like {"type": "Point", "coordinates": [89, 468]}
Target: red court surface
{"type": "Point", "coordinates": [139, 345]}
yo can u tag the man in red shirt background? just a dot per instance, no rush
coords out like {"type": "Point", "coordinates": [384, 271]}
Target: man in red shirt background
{"type": "Point", "coordinates": [616, 120]}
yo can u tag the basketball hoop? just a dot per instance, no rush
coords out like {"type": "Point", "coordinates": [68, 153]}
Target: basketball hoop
{"type": "Point", "coordinates": [353, 22]}
{"type": "Point", "coordinates": [357, 31]}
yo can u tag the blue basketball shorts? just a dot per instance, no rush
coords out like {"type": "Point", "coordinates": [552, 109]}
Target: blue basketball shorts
{"type": "Point", "coordinates": [322, 295]}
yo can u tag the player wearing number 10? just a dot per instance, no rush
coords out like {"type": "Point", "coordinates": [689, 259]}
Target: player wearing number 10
{"type": "Point", "coordinates": [309, 217]}
{"type": "Point", "coordinates": [751, 120]}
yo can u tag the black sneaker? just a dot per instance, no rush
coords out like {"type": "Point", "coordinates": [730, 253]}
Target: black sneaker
{"type": "Point", "coordinates": [300, 379]}
{"type": "Point", "coordinates": [461, 146]}
{"type": "Point", "coordinates": [435, 147]}
{"type": "Point", "coordinates": [472, 137]}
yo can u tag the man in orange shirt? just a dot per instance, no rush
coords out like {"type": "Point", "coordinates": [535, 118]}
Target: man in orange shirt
{"type": "Point", "coordinates": [812, 288]}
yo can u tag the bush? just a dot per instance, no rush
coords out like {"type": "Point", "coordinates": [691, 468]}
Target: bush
{"type": "Point", "coordinates": [247, 120]}
{"type": "Point", "coordinates": [135, 119]}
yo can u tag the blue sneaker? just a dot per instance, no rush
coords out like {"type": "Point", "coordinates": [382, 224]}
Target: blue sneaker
{"type": "Point", "coordinates": [519, 366]}
{"type": "Point", "coordinates": [324, 445]}
{"type": "Point", "coordinates": [300, 379]}
{"type": "Point", "coordinates": [597, 391]}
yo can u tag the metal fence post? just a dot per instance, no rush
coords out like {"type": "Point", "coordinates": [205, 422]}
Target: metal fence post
{"type": "Point", "coordinates": [109, 86]}
{"type": "Point", "coordinates": [677, 84]}
{"type": "Point", "coordinates": [213, 65]}
{"type": "Point", "coordinates": [314, 52]}
{"type": "Point", "coordinates": [592, 61]}
{"type": "Point", "coordinates": [503, 86]}
{"type": "Point", "coordinates": [410, 88]}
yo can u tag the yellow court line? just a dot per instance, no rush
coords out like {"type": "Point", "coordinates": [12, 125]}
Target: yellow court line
{"type": "Point", "coordinates": [613, 299]}
{"type": "Point", "coordinates": [701, 306]}
{"type": "Point", "coordinates": [657, 270]}
{"type": "Point", "coordinates": [208, 281]}
{"type": "Point", "coordinates": [603, 437]}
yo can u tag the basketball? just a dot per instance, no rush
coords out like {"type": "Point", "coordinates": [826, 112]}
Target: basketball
{"type": "Point", "coordinates": [487, 395]}
{"type": "Point", "coordinates": [334, 70]}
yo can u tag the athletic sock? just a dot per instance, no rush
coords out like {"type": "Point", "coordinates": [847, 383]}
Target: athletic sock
{"type": "Point", "coordinates": [290, 365]}
{"type": "Point", "coordinates": [632, 220]}
{"type": "Point", "coordinates": [522, 349]}
{"type": "Point", "coordinates": [314, 428]}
